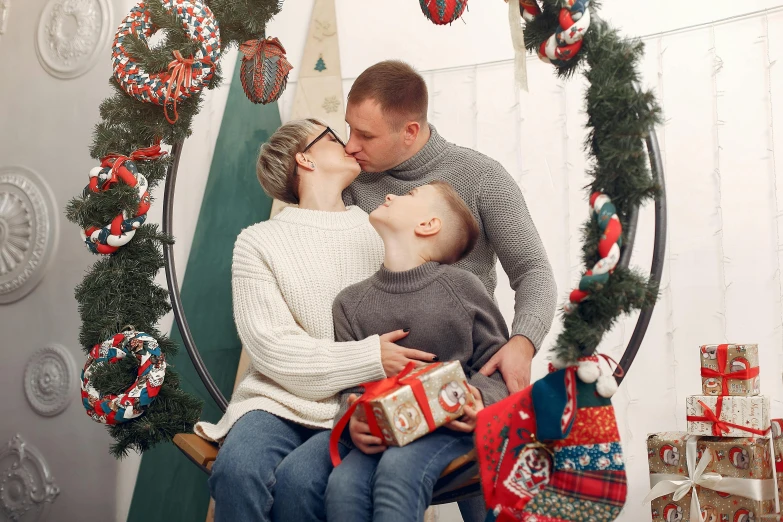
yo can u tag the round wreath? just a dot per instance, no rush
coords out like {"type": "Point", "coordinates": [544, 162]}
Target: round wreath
{"type": "Point", "coordinates": [115, 409]}
{"type": "Point", "coordinates": [185, 76]}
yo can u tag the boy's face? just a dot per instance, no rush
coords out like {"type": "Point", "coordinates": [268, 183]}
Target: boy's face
{"type": "Point", "coordinates": [406, 213]}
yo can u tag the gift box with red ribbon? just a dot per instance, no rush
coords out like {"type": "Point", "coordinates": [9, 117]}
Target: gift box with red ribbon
{"type": "Point", "coordinates": [410, 405]}
{"type": "Point", "coordinates": [730, 369]}
{"type": "Point", "coordinates": [727, 416]}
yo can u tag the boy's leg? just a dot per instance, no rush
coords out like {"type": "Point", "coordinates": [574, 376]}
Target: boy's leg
{"type": "Point", "coordinates": [301, 481]}
{"type": "Point", "coordinates": [473, 509]}
{"type": "Point", "coordinates": [349, 492]}
{"type": "Point", "coordinates": [405, 477]}
{"type": "Point", "coordinates": [243, 476]}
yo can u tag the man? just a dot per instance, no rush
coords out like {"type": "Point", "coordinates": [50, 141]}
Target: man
{"type": "Point", "coordinates": [398, 151]}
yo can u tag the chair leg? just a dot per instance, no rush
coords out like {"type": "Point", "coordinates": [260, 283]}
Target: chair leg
{"type": "Point", "coordinates": [211, 511]}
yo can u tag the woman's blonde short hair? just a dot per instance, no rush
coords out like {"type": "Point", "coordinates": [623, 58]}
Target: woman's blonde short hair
{"type": "Point", "coordinates": [277, 159]}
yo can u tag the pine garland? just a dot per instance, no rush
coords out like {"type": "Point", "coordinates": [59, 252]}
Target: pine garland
{"type": "Point", "coordinates": [120, 289]}
{"type": "Point", "coordinates": [620, 115]}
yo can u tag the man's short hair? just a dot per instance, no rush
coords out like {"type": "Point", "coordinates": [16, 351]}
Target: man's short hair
{"type": "Point", "coordinates": [276, 163]}
{"type": "Point", "coordinates": [458, 241]}
{"type": "Point", "coordinates": [397, 87]}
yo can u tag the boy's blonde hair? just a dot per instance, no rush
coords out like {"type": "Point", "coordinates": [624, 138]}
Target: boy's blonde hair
{"type": "Point", "coordinates": [457, 241]}
{"type": "Point", "coordinates": [276, 163]}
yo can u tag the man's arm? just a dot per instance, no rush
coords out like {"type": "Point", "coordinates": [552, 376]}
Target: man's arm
{"type": "Point", "coordinates": [513, 235]}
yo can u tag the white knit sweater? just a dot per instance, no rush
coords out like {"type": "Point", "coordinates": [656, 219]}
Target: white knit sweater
{"type": "Point", "coordinates": [286, 273]}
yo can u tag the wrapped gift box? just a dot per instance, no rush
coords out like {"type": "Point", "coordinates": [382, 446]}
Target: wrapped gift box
{"type": "Point", "coordinates": [730, 369]}
{"type": "Point", "coordinates": [733, 458]}
{"type": "Point", "coordinates": [424, 401]}
{"type": "Point", "coordinates": [738, 416]}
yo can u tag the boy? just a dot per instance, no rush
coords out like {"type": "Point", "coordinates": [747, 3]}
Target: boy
{"type": "Point", "coordinates": [448, 312]}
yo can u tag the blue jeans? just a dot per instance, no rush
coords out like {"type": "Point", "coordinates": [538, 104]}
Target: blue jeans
{"type": "Point", "coordinates": [393, 486]}
{"type": "Point", "coordinates": [271, 469]}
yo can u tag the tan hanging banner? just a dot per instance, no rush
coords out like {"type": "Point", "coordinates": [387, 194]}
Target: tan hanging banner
{"type": "Point", "coordinates": [319, 88]}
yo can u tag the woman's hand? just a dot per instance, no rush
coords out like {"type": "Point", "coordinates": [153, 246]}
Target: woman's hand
{"type": "Point", "coordinates": [467, 423]}
{"type": "Point", "coordinates": [394, 357]}
{"type": "Point", "coordinates": [360, 432]}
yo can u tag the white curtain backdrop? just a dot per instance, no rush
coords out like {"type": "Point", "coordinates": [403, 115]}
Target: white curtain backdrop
{"type": "Point", "coordinates": [722, 144]}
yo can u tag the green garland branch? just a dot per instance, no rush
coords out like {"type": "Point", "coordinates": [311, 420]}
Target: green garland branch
{"type": "Point", "coordinates": [620, 115]}
{"type": "Point", "coordinates": [120, 290]}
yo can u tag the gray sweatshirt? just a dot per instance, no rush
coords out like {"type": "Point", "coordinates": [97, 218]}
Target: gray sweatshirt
{"type": "Point", "coordinates": [508, 232]}
{"type": "Point", "coordinates": [448, 310]}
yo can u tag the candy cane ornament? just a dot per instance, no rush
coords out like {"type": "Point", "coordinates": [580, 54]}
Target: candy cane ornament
{"type": "Point", "coordinates": [602, 210]}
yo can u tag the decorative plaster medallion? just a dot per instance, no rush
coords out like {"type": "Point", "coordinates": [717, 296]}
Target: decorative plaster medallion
{"type": "Point", "coordinates": [72, 34]}
{"type": "Point", "coordinates": [5, 11]}
{"type": "Point", "coordinates": [49, 380]}
{"type": "Point", "coordinates": [27, 489]}
{"type": "Point", "coordinates": [28, 231]}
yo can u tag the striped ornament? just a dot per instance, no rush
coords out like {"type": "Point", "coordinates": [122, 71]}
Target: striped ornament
{"type": "Point", "coordinates": [185, 76]}
{"type": "Point", "coordinates": [442, 12]}
{"type": "Point", "coordinates": [116, 409]}
{"type": "Point", "coordinates": [602, 210]}
{"type": "Point", "coordinates": [264, 70]}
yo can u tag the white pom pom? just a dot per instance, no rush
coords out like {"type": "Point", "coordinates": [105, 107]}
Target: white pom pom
{"type": "Point", "coordinates": [558, 364]}
{"type": "Point", "coordinates": [95, 171]}
{"type": "Point", "coordinates": [606, 386]}
{"type": "Point", "coordinates": [588, 371]}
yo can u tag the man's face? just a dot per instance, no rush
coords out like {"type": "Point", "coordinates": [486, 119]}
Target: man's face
{"type": "Point", "coordinates": [372, 141]}
{"type": "Point", "coordinates": [405, 213]}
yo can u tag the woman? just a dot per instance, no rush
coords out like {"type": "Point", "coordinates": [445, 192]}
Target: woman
{"type": "Point", "coordinates": [274, 461]}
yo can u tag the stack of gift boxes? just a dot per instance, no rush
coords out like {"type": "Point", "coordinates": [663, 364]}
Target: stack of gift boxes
{"type": "Point", "coordinates": [728, 466]}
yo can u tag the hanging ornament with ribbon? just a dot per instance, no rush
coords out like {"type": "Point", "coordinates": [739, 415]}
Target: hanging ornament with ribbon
{"type": "Point", "coordinates": [264, 70]}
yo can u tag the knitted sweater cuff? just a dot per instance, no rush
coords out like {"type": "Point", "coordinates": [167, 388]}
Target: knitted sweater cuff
{"type": "Point", "coordinates": [531, 327]}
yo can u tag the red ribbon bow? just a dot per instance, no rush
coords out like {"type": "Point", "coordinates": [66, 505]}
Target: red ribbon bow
{"type": "Point", "coordinates": [374, 390]}
{"type": "Point", "coordinates": [181, 74]}
{"type": "Point", "coordinates": [719, 427]}
{"type": "Point", "coordinates": [115, 160]}
{"type": "Point", "coordinates": [723, 356]}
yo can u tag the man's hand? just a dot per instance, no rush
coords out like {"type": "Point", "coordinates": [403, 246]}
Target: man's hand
{"type": "Point", "coordinates": [360, 432]}
{"type": "Point", "coordinates": [513, 361]}
{"type": "Point", "coordinates": [394, 357]}
{"type": "Point", "coordinates": [467, 423]}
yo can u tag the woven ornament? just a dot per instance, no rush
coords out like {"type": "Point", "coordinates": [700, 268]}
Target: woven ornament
{"type": "Point", "coordinates": [116, 409]}
{"type": "Point", "coordinates": [185, 76]}
{"type": "Point", "coordinates": [567, 40]}
{"type": "Point", "coordinates": [264, 70]}
{"type": "Point", "coordinates": [603, 211]}
{"type": "Point", "coordinates": [114, 169]}
{"type": "Point", "coordinates": [552, 453]}
{"type": "Point", "coordinates": [442, 12]}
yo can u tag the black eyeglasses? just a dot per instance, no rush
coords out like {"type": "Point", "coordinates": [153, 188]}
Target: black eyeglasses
{"type": "Point", "coordinates": [326, 131]}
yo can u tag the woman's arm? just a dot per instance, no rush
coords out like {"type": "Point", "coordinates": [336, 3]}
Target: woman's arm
{"type": "Point", "coordinates": [280, 349]}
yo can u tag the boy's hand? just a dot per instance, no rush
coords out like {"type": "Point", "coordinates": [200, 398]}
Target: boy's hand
{"type": "Point", "coordinates": [360, 432]}
{"type": "Point", "coordinates": [467, 423]}
{"type": "Point", "coordinates": [394, 357]}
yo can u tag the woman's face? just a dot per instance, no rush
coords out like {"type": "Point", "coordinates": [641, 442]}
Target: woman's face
{"type": "Point", "coordinates": [330, 158]}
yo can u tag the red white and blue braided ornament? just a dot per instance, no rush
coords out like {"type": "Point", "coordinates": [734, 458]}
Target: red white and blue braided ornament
{"type": "Point", "coordinates": [529, 9]}
{"type": "Point", "coordinates": [264, 70]}
{"type": "Point", "coordinates": [185, 76]}
{"type": "Point", "coordinates": [567, 40]}
{"type": "Point", "coordinates": [602, 210]}
{"type": "Point", "coordinates": [114, 169]}
{"type": "Point", "coordinates": [116, 409]}
{"type": "Point", "coordinates": [442, 12]}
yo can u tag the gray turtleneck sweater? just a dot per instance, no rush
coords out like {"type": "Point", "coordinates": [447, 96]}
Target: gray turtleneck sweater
{"type": "Point", "coordinates": [448, 310]}
{"type": "Point", "coordinates": [508, 232]}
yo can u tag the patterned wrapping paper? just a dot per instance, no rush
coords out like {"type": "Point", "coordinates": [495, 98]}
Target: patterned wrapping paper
{"type": "Point", "coordinates": [741, 359]}
{"type": "Point", "coordinates": [731, 457]}
{"type": "Point", "coordinates": [777, 443]}
{"type": "Point", "coordinates": [400, 417]}
{"type": "Point", "coordinates": [749, 412]}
